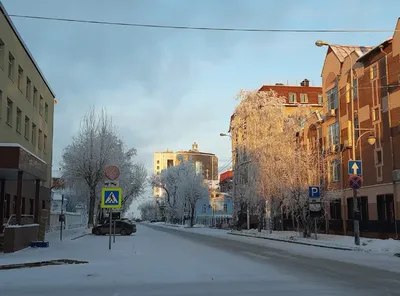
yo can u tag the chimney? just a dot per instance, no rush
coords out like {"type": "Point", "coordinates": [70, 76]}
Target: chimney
{"type": "Point", "coordinates": [305, 82]}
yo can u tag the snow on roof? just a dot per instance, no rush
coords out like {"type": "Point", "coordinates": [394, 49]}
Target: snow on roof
{"type": "Point", "coordinates": [342, 51]}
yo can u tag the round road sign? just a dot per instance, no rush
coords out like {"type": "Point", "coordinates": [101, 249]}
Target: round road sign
{"type": "Point", "coordinates": [355, 182]}
{"type": "Point", "coordinates": [112, 172]}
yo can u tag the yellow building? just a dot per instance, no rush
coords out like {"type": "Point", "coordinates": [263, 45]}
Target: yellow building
{"type": "Point", "coordinates": [26, 130]}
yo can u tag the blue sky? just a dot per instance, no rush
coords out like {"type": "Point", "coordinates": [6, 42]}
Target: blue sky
{"type": "Point", "coordinates": [169, 88]}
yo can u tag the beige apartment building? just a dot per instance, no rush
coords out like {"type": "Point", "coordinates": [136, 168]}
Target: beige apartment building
{"type": "Point", "coordinates": [26, 138]}
{"type": "Point", "coordinates": [162, 160]}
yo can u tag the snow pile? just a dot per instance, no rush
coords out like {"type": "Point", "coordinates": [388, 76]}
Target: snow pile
{"type": "Point", "coordinates": [67, 233]}
{"type": "Point", "coordinates": [167, 224]}
{"type": "Point", "coordinates": [200, 226]}
{"type": "Point", "coordinates": [367, 244]}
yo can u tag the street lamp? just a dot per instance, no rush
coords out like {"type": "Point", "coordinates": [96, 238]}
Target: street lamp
{"type": "Point", "coordinates": [356, 211]}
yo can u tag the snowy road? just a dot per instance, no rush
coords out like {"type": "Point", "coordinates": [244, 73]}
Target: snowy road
{"type": "Point", "coordinates": [168, 262]}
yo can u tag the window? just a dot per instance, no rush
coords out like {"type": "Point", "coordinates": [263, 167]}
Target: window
{"type": "Point", "coordinates": [373, 72]}
{"type": "Point", "coordinates": [385, 207]}
{"type": "Point", "coordinates": [333, 134]}
{"type": "Point", "coordinates": [46, 112]}
{"type": "Point", "coordinates": [9, 111]}
{"type": "Point", "coordinates": [35, 94]}
{"type": "Point", "coordinates": [158, 167]}
{"type": "Point", "coordinates": [28, 89]}
{"type": "Point", "coordinates": [26, 132]}
{"type": "Point", "coordinates": [41, 105]}
{"type": "Point", "coordinates": [43, 204]}
{"type": "Point", "coordinates": [334, 170]}
{"type": "Point", "coordinates": [303, 98]}
{"type": "Point", "coordinates": [40, 139]}
{"type": "Point", "coordinates": [355, 89]}
{"type": "Point", "coordinates": [378, 157]}
{"type": "Point", "coordinates": [11, 62]}
{"type": "Point", "coordinates": [18, 121]}
{"type": "Point", "coordinates": [20, 77]}
{"type": "Point", "coordinates": [33, 134]}
{"type": "Point", "coordinates": [23, 208]}
{"type": "Point", "coordinates": [170, 162]}
{"type": "Point", "coordinates": [332, 98]}
{"type": "Point", "coordinates": [2, 50]}
{"type": "Point", "coordinates": [225, 208]}
{"type": "Point", "coordinates": [356, 128]}
{"type": "Point", "coordinates": [335, 208]}
{"type": "Point", "coordinates": [45, 143]}
{"type": "Point", "coordinates": [375, 114]}
{"type": "Point", "coordinates": [31, 203]}
{"type": "Point", "coordinates": [158, 162]}
{"type": "Point", "coordinates": [292, 98]}
{"type": "Point", "coordinates": [320, 99]}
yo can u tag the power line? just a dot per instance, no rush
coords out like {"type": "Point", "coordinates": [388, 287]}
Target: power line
{"type": "Point", "coordinates": [199, 28]}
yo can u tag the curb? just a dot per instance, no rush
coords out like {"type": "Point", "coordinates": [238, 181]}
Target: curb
{"type": "Point", "coordinates": [294, 242]}
{"type": "Point", "coordinates": [41, 264]}
{"type": "Point", "coordinates": [82, 235]}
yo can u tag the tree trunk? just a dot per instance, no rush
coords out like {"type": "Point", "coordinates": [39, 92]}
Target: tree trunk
{"type": "Point", "coordinates": [92, 202]}
{"type": "Point", "coordinates": [192, 216]}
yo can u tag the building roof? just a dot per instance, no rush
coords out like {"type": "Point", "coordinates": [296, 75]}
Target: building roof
{"type": "Point", "coordinates": [375, 49]}
{"type": "Point", "coordinates": [195, 152]}
{"type": "Point", "coordinates": [8, 19]}
{"type": "Point", "coordinates": [342, 51]}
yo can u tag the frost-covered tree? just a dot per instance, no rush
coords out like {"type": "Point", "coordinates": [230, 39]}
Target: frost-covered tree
{"type": "Point", "coordinates": [182, 187]}
{"type": "Point", "coordinates": [266, 132]}
{"type": "Point", "coordinates": [192, 188]}
{"type": "Point", "coordinates": [96, 146]}
{"type": "Point", "coordinates": [148, 210]}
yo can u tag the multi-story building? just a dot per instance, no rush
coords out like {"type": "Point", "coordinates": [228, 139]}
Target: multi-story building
{"type": "Point", "coordinates": [26, 135]}
{"type": "Point", "coordinates": [206, 163]}
{"type": "Point", "coordinates": [226, 181]}
{"type": "Point", "coordinates": [361, 103]}
{"type": "Point", "coordinates": [295, 95]}
{"type": "Point", "coordinates": [162, 160]}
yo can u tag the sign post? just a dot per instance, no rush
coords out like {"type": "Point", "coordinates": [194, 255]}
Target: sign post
{"type": "Point", "coordinates": [355, 181]}
{"type": "Point", "coordinates": [314, 193]}
{"type": "Point", "coordinates": [111, 197]}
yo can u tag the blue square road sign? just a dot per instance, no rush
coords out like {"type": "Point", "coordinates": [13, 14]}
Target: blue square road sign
{"type": "Point", "coordinates": [355, 167]}
{"type": "Point", "coordinates": [314, 192]}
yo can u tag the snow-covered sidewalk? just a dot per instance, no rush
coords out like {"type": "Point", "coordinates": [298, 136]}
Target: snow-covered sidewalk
{"type": "Point", "coordinates": [56, 248]}
{"type": "Point", "coordinates": [329, 241]}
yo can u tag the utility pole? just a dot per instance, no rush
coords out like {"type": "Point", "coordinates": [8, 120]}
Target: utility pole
{"type": "Point", "coordinates": [356, 211]}
{"type": "Point", "coordinates": [62, 217]}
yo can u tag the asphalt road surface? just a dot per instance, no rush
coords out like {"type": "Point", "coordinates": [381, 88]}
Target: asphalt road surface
{"type": "Point", "coordinates": [165, 262]}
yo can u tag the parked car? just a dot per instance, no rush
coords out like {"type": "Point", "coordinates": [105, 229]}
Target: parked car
{"type": "Point", "coordinates": [122, 227]}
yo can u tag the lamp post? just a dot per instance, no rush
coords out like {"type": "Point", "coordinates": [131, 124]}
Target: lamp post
{"type": "Point", "coordinates": [371, 141]}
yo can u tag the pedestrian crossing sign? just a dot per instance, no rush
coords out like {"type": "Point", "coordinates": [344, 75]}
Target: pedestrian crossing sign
{"type": "Point", "coordinates": [111, 198]}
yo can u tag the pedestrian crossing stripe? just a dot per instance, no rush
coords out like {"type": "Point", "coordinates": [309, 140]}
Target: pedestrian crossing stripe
{"type": "Point", "coordinates": [111, 198]}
